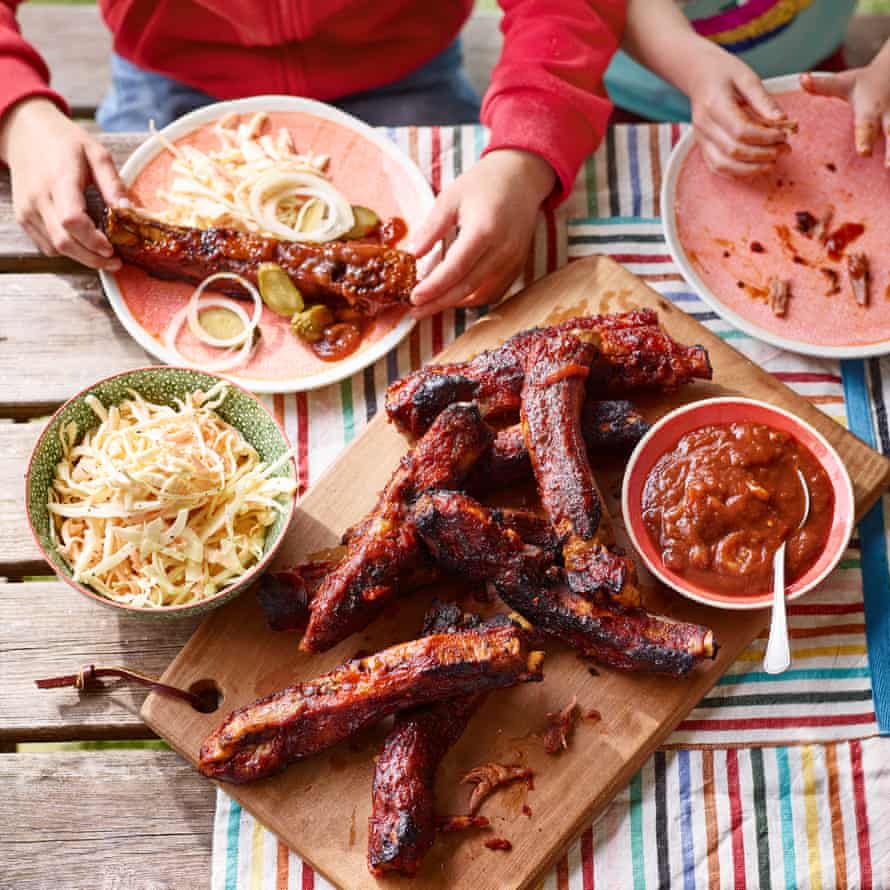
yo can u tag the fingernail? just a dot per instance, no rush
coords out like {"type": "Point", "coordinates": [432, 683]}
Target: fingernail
{"type": "Point", "coordinates": [124, 203]}
{"type": "Point", "coordinates": [114, 265]}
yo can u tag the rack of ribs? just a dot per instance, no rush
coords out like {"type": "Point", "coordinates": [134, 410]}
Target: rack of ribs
{"type": "Point", "coordinates": [552, 398]}
{"type": "Point", "coordinates": [402, 825]}
{"type": "Point", "coordinates": [607, 427]}
{"type": "Point", "coordinates": [633, 353]}
{"type": "Point", "coordinates": [262, 738]}
{"type": "Point", "coordinates": [366, 276]}
{"type": "Point", "coordinates": [464, 538]}
{"type": "Point", "coordinates": [382, 552]}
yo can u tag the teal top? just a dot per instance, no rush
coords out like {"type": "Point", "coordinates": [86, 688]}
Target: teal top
{"type": "Point", "coordinates": [773, 36]}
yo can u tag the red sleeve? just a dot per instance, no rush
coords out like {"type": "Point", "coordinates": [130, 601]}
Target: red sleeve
{"type": "Point", "coordinates": [546, 94]}
{"type": "Point", "coordinates": [23, 73]}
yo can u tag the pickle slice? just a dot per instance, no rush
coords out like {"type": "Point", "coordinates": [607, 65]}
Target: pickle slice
{"type": "Point", "coordinates": [277, 290]}
{"type": "Point", "coordinates": [223, 324]}
{"type": "Point", "coordinates": [365, 222]}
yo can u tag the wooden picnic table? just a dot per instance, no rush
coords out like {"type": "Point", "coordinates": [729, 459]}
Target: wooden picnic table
{"type": "Point", "coordinates": [86, 818]}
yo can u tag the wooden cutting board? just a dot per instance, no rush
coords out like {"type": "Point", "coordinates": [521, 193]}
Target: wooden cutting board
{"type": "Point", "coordinates": [320, 807]}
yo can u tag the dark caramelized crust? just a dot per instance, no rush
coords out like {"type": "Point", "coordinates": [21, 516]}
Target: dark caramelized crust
{"type": "Point", "coordinates": [555, 382]}
{"type": "Point", "coordinates": [609, 426]}
{"type": "Point", "coordinates": [264, 737]}
{"type": "Point", "coordinates": [634, 353]}
{"type": "Point", "coordinates": [285, 596]}
{"type": "Point", "coordinates": [402, 825]}
{"type": "Point", "coordinates": [383, 555]}
{"type": "Point", "coordinates": [462, 535]}
{"type": "Point", "coordinates": [367, 276]}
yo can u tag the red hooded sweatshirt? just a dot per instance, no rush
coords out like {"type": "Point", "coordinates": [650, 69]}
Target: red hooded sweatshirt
{"type": "Point", "coordinates": [546, 94]}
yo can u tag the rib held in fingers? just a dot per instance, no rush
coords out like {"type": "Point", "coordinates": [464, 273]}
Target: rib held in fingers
{"type": "Point", "coordinates": [369, 277]}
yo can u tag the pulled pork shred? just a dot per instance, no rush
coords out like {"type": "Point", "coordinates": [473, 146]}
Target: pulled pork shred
{"type": "Point", "coordinates": [560, 727]}
{"type": "Point", "coordinates": [489, 776]}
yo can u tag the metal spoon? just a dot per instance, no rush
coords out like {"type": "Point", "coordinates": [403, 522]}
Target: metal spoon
{"type": "Point", "coordinates": [777, 658]}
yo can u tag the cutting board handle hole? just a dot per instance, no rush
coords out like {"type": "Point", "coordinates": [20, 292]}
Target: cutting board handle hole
{"type": "Point", "coordinates": [209, 693]}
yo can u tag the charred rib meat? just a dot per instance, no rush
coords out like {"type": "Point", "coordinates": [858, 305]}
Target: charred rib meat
{"type": "Point", "coordinates": [610, 426]}
{"type": "Point", "coordinates": [552, 397]}
{"type": "Point", "coordinates": [463, 537]}
{"type": "Point", "coordinates": [633, 352]}
{"type": "Point", "coordinates": [264, 737]}
{"type": "Point", "coordinates": [366, 276]}
{"type": "Point", "coordinates": [383, 553]}
{"type": "Point", "coordinates": [402, 825]}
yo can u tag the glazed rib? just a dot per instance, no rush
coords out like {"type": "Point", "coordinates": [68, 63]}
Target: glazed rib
{"type": "Point", "coordinates": [402, 825]}
{"type": "Point", "coordinates": [463, 537]}
{"type": "Point", "coordinates": [366, 276]}
{"type": "Point", "coordinates": [609, 426]}
{"type": "Point", "coordinates": [383, 551]}
{"type": "Point", "coordinates": [285, 596]}
{"type": "Point", "coordinates": [552, 397]}
{"type": "Point", "coordinates": [262, 738]}
{"type": "Point", "coordinates": [634, 353]}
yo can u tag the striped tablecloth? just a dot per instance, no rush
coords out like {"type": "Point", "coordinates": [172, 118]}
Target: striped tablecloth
{"type": "Point", "coordinates": [812, 809]}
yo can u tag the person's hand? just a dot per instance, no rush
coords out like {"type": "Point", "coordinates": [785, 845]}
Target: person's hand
{"type": "Point", "coordinates": [868, 92]}
{"type": "Point", "coordinates": [51, 161]}
{"type": "Point", "coordinates": [739, 126]}
{"type": "Point", "coordinates": [494, 206]}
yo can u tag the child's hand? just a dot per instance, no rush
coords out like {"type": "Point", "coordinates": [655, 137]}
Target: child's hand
{"type": "Point", "coordinates": [494, 206]}
{"type": "Point", "coordinates": [738, 124]}
{"type": "Point", "coordinates": [868, 91]}
{"type": "Point", "coordinates": [48, 183]}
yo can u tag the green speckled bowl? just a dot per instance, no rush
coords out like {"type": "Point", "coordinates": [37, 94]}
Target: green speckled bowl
{"type": "Point", "coordinates": [162, 385]}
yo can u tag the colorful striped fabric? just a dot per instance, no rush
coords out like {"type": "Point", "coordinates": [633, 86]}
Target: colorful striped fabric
{"type": "Point", "coordinates": [812, 817]}
{"type": "Point", "coordinates": [826, 697]}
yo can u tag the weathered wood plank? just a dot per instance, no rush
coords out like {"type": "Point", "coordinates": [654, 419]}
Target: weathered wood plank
{"type": "Point", "coordinates": [76, 45]}
{"type": "Point", "coordinates": [59, 335]}
{"type": "Point", "coordinates": [48, 630]}
{"type": "Point", "coordinates": [104, 819]}
{"type": "Point", "coordinates": [19, 555]}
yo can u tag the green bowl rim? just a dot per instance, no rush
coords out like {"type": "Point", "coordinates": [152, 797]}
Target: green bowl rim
{"type": "Point", "coordinates": [183, 608]}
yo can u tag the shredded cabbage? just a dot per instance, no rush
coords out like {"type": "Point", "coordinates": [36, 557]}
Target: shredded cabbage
{"type": "Point", "coordinates": [162, 506]}
{"type": "Point", "coordinates": [256, 183]}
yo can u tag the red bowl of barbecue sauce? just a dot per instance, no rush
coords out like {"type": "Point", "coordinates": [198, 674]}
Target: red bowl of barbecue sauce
{"type": "Point", "coordinates": [712, 490]}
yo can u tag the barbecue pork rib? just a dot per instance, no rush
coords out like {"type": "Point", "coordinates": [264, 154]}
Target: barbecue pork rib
{"type": "Point", "coordinates": [262, 738]}
{"type": "Point", "coordinates": [383, 553]}
{"type": "Point", "coordinates": [633, 353]}
{"type": "Point", "coordinates": [464, 538]}
{"type": "Point", "coordinates": [285, 595]}
{"type": "Point", "coordinates": [369, 277]}
{"type": "Point", "coordinates": [608, 427]}
{"type": "Point", "coordinates": [402, 825]}
{"type": "Point", "coordinates": [552, 397]}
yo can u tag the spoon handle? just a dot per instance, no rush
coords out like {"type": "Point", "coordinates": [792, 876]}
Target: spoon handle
{"type": "Point", "coordinates": [778, 654]}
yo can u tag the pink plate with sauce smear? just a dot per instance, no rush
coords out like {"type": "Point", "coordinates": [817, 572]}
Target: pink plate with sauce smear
{"type": "Point", "coordinates": [663, 437]}
{"type": "Point", "coordinates": [365, 166]}
{"type": "Point", "coordinates": [711, 223]}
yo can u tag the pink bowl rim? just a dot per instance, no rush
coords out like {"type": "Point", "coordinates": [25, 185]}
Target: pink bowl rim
{"type": "Point", "coordinates": [220, 596]}
{"type": "Point", "coordinates": [743, 603]}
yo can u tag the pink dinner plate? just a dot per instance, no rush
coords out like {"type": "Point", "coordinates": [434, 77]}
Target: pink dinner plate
{"type": "Point", "coordinates": [730, 236]}
{"type": "Point", "coordinates": [365, 165]}
{"type": "Point", "coordinates": [664, 436]}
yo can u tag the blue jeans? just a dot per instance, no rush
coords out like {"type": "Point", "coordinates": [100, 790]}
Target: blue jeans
{"type": "Point", "coordinates": [436, 93]}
